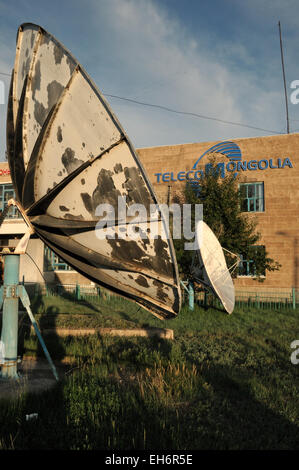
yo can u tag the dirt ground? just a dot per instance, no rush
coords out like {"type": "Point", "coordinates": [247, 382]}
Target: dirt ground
{"type": "Point", "coordinates": [34, 376]}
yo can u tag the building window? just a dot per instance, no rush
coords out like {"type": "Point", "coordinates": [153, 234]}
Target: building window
{"type": "Point", "coordinates": [6, 193]}
{"type": "Point", "coordinates": [247, 265]}
{"type": "Point", "coordinates": [252, 197]}
{"type": "Point", "coordinates": [52, 262]}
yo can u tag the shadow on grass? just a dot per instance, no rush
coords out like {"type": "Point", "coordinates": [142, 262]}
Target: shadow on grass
{"type": "Point", "coordinates": [228, 406]}
{"type": "Point", "coordinates": [104, 408]}
{"type": "Point", "coordinates": [237, 420]}
{"type": "Point", "coordinates": [48, 316]}
{"type": "Point", "coordinates": [103, 413]}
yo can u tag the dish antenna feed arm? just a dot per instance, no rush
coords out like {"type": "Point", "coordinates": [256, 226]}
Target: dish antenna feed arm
{"type": "Point", "coordinates": [10, 293]}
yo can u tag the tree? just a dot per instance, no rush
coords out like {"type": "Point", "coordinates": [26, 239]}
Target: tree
{"type": "Point", "coordinates": [235, 230]}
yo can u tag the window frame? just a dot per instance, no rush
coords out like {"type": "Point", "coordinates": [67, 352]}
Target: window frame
{"type": "Point", "coordinates": [254, 199]}
{"type": "Point", "coordinates": [50, 263]}
{"type": "Point", "coordinates": [13, 213]}
{"type": "Point", "coordinates": [249, 262]}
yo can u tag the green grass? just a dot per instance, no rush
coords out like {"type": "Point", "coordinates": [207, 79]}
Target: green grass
{"type": "Point", "coordinates": [224, 382]}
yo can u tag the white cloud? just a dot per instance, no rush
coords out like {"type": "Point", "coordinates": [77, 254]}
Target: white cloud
{"type": "Point", "coordinates": [161, 62]}
{"type": "Point", "coordinates": [139, 49]}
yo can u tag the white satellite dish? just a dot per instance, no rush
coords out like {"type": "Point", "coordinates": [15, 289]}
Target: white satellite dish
{"type": "Point", "coordinates": [69, 157]}
{"type": "Point", "coordinates": [211, 269]}
{"type": "Point", "coordinates": [68, 154]}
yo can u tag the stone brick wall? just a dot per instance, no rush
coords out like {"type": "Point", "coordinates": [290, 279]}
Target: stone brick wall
{"type": "Point", "coordinates": [278, 224]}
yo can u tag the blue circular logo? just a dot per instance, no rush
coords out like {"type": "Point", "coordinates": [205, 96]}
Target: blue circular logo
{"type": "Point", "coordinates": [229, 149]}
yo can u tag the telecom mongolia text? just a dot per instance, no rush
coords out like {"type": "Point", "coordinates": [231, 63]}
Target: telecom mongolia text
{"type": "Point", "coordinates": [223, 168]}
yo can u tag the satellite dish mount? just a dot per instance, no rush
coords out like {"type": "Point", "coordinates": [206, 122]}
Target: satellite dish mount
{"type": "Point", "coordinates": [10, 293]}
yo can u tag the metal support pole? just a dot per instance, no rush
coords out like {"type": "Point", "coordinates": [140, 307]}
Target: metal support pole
{"type": "Point", "coordinates": [77, 292]}
{"type": "Point", "coordinates": [9, 334]}
{"type": "Point", "coordinates": [294, 297]}
{"type": "Point", "coordinates": [284, 79]}
{"type": "Point", "coordinates": [26, 305]}
{"type": "Point", "coordinates": [191, 295]}
{"type": "Point", "coordinates": [9, 295]}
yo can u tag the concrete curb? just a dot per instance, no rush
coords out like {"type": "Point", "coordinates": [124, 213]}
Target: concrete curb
{"type": "Point", "coordinates": [142, 332]}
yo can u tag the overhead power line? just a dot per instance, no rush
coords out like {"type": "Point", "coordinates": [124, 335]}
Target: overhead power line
{"type": "Point", "coordinates": [201, 116]}
{"type": "Point", "coordinates": [185, 113]}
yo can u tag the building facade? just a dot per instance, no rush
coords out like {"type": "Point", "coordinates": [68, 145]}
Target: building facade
{"type": "Point", "coordinates": [269, 182]}
{"type": "Point", "coordinates": [268, 168]}
{"type": "Point", "coordinates": [39, 264]}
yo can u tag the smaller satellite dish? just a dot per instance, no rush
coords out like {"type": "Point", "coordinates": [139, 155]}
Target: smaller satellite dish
{"type": "Point", "coordinates": [210, 268]}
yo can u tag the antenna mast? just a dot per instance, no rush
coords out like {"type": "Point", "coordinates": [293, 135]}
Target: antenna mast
{"type": "Point", "coordinates": [284, 79]}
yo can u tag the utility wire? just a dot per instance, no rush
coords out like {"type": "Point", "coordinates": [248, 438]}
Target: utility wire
{"type": "Point", "coordinates": [186, 113]}
{"type": "Point", "coordinates": [201, 116]}
{"type": "Point", "coordinates": [36, 266]}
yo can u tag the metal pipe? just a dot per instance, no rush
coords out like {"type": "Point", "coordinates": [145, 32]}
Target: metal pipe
{"type": "Point", "coordinates": [191, 295]}
{"type": "Point", "coordinates": [284, 79]}
{"type": "Point", "coordinates": [9, 334]}
{"type": "Point", "coordinates": [42, 342]}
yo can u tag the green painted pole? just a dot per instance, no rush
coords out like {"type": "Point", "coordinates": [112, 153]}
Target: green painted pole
{"type": "Point", "coordinates": [191, 296]}
{"type": "Point", "coordinates": [294, 297]}
{"type": "Point", "coordinates": [42, 341]}
{"type": "Point", "coordinates": [26, 302]}
{"type": "Point", "coordinates": [9, 334]}
{"type": "Point", "coordinates": [78, 293]}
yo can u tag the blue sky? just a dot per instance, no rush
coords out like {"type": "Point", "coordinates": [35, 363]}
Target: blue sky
{"type": "Point", "coordinates": [216, 58]}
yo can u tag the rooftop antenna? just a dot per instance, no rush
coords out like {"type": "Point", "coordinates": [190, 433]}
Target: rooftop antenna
{"type": "Point", "coordinates": [284, 79]}
{"type": "Point", "coordinates": [78, 179]}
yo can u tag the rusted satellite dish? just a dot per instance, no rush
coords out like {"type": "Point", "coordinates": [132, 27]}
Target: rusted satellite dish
{"type": "Point", "coordinates": [210, 268]}
{"type": "Point", "coordinates": [68, 154]}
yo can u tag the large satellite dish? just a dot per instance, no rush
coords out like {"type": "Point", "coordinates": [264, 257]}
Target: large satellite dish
{"type": "Point", "coordinates": [210, 267]}
{"type": "Point", "coordinates": [68, 154]}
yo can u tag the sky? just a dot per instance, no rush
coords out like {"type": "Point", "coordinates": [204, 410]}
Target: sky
{"type": "Point", "coordinates": [173, 71]}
